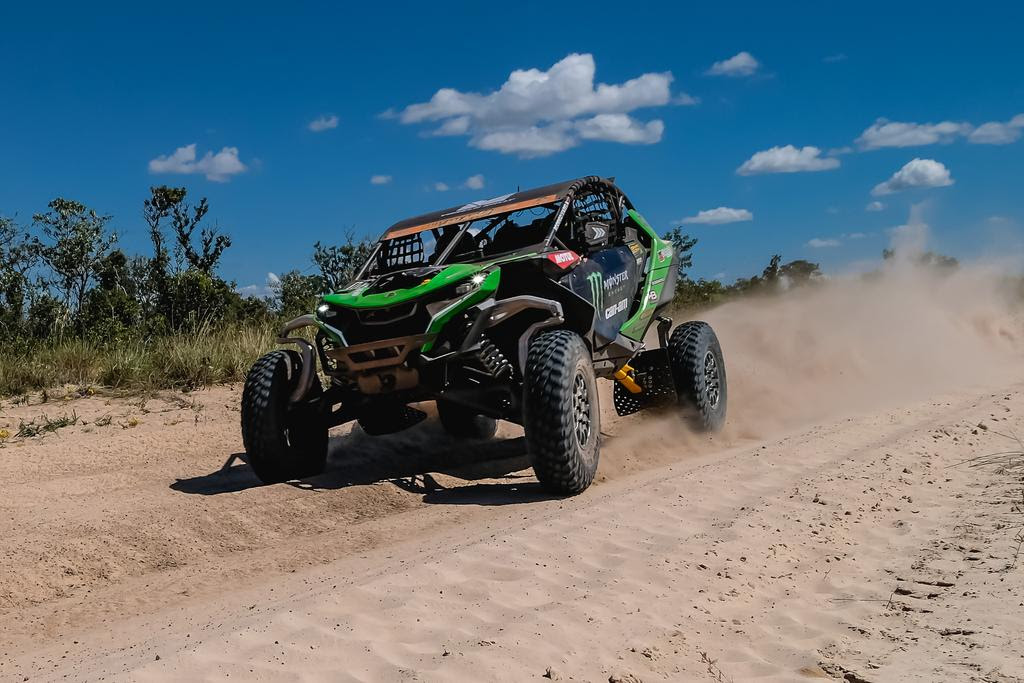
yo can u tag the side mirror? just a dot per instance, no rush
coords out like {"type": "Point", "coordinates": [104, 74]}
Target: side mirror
{"type": "Point", "coordinates": [595, 233]}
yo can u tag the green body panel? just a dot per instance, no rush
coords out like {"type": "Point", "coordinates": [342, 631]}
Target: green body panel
{"type": "Point", "coordinates": [659, 263]}
{"type": "Point", "coordinates": [486, 289]}
{"type": "Point", "coordinates": [448, 276]}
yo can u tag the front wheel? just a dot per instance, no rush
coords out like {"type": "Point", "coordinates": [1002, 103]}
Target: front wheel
{"type": "Point", "coordinates": [283, 440]}
{"type": "Point", "coordinates": [561, 415]}
{"type": "Point", "coordinates": [698, 369]}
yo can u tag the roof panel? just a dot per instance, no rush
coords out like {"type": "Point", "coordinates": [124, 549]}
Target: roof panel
{"type": "Point", "coordinates": [481, 209]}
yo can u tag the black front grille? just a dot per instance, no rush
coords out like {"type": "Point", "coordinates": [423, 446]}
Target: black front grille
{"type": "Point", "coordinates": [381, 316]}
{"type": "Point", "coordinates": [361, 325]}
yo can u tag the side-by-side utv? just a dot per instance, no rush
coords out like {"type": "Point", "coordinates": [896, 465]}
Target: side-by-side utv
{"type": "Point", "coordinates": [510, 309]}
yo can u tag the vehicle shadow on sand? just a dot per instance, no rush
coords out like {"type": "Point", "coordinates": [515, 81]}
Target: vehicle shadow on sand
{"type": "Point", "coordinates": [406, 460]}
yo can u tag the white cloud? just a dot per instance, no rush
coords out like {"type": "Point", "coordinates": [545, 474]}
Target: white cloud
{"type": "Point", "coordinates": [323, 122]}
{"type": "Point", "coordinates": [268, 289]}
{"type": "Point", "coordinates": [719, 216]}
{"type": "Point", "coordinates": [532, 141]}
{"type": "Point", "coordinates": [874, 206]}
{"type": "Point", "coordinates": [832, 59]}
{"type": "Point", "coordinates": [621, 128]}
{"type": "Point", "coordinates": [788, 159]}
{"type": "Point", "coordinates": [685, 100]}
{"type": "Point", "coordinates": [819, 243]}
{"type": "Point", "coordinates": [475, 182]}
{"type": "Point", "coordinates": [742, 64]}
{"type": "Point", "coordinates": [855, 235]}
{"type": "Point", "coordinates": [915, 173]}
{"type": "Point", "coordinates": [441, 187]}
{"type": "Point", "coordinates": [536, 113]}
{"type": "Point", "coordinates": [217, 167]}
{"type": "Point", "coordinates": [380, 179]}
{"type": "Point", "coordinates": [998, 133]}
{"type": "Point", "coordinates": [883, 133]}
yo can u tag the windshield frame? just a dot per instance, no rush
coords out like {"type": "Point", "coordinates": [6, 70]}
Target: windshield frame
{"type": "Point", "coordinates": [558, 208]}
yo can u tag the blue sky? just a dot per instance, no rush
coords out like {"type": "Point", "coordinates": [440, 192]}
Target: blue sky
{"type": "Point", "coordinates": [99, 104]}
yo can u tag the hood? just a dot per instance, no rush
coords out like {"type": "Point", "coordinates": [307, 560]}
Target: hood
{"type": "Point", "coordinates": [402, 286]}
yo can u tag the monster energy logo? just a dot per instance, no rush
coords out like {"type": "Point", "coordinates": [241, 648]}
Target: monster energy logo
{"type": "Point", "coordinates": [596, 289]}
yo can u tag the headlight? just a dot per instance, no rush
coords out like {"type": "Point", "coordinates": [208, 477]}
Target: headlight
{"type": "Point", "coordinates": [470, 284]}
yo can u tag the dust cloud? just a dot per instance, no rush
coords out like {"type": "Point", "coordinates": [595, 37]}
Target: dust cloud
{"type": "Point", "coordinates": [850, 344]}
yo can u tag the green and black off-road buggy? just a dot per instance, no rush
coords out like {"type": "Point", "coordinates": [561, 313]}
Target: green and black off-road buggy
{"type": "Point", "coordinates": [508, 308]}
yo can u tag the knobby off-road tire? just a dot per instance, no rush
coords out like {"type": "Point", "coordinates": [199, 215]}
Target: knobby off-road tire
{"type": "Point", "coordinates": [699, 373]}
{"type": "Point", "coordinates": [282, 440]}
{"type": "Point", "coordinates": [462, 422]}
{"type": "Point", "coordinates": [561, 414]}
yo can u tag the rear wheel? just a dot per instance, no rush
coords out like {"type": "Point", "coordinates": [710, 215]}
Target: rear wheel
{"type": "Point", "coordinates": [463, 422]}
{"type": "Point", "coordinates": [562, 417]}
{"type": "Point", "coordinates": [283, 440]}
{"type": "Point", "coordinates": [698, 369]}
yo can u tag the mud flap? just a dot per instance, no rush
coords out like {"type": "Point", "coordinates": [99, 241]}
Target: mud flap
{"type": "Point", "coordinates": [653, 372]}
{"type": "Point", "coordinates": [390, 419]}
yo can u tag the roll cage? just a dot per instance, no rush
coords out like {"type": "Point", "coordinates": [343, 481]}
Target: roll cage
{"type": "Point", "coordinates": [570, 204]}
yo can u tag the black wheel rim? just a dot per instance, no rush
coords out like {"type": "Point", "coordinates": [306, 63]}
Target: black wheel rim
{"type": "Point", "coordinates": [712, 380]}
{"type": "Point", "coordinates": [581, 409]}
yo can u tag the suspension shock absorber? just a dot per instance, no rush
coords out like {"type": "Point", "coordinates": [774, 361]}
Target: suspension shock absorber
{"type": "Point", "coordinates": [492, 360]}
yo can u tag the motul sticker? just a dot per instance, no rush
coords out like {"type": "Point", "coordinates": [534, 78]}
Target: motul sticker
{"type": "Point", "coordinates": [564, 259]}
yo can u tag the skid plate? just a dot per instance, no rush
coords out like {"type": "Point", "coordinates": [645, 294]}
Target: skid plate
{"type": "Point", "coordinates": [653, 372]}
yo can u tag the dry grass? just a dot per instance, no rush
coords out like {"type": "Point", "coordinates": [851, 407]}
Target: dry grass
{"type": "Point", "coordinates": [182, 361]}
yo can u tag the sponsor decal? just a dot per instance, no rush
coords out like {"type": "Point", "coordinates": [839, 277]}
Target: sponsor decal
{"type": "Point", "coordinates": [653, 296]}
{"type": "Point", "coordinates": [564, 259]}
{"type": "Point", "coordinates": [664, 253]}
{"type": "Point", "coordinates": [635, 248]}
{"type": "Point", "coordinates": [613, 281]}
{"type": "Point", "coordinates": [615, 308]}
{"type": "Point", "coordinates": [596, 291]}
{"type": "Point", "coordinates": [561, 214]}
{"type": "Point", "coordinates": [596, 232]}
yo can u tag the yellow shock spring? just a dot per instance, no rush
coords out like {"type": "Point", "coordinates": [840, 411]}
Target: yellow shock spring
{"type": "Point", "coordinates": [622, 374]}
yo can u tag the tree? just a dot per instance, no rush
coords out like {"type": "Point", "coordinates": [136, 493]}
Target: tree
{"type": "Point", "coordinates": [161, 202]}
{"type": "Point", "coordinates": [296, 293]}
{"type": "Point", "coordinates": [339, 264]}
{"type": "Point", "coordinates": [927, 259]}
{"type": "Point", "coordinates": [78, 242]}
{"type": "Point", "coordinates": [111, 311]}
{"type": "Point", "coordinates": [17, 257]}
{"type": "Point", "coordinates": [169, 202]}
{"type": "Point", "coordinates": [800, 272]}
{"type": "Point", "coordinates": [683, 245]}
{"type": "Point", "coordinates": [770, 274]}
{"type": "Point", "coordinates": [193, 293]}
{"type": "Point", "coordinates": [700, 293]}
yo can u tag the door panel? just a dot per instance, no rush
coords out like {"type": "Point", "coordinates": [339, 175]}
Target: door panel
{"type": "Point", "coordinates": [608, 280]}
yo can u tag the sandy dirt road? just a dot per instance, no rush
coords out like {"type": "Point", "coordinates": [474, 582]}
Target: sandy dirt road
{"type": "Point", "coordinates": [849, 548]}
{"type": "Point", "coordinates": [833, 530]}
